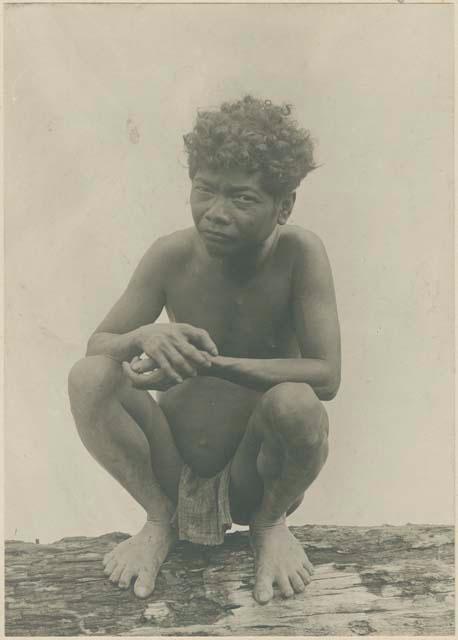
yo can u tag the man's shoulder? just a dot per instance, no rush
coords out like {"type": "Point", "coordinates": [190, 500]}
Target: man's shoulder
{"type": "Point", "coordinates": [309, 257]}
{"type": "Point", "coordinates": [174, 247]}
{"type": "Point", "coordinates": [299, 240]}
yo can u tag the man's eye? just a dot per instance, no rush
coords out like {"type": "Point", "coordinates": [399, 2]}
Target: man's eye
{"type": "Point", "coordinates": [245, 199]}
{"type": "Point", "coordinates": [203, 190]}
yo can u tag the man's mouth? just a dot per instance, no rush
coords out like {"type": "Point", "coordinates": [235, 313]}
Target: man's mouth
{"type": "Point", "coordinates": [216, 235]}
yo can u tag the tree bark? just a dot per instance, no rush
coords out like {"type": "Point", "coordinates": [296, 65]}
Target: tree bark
{"type": "Point", "coordinates": [368, 581]}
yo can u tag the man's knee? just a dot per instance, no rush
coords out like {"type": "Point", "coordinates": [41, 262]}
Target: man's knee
{"type": "Point", "coordinates": [93, 377]}
{"type": "Point", "coordinates": [294, 410]}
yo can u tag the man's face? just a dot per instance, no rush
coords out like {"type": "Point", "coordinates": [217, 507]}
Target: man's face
{"type": "Point", "coordinates": [231, 211]}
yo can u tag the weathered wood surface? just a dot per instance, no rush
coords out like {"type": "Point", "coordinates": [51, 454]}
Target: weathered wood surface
{"type": "Point", "coordinates": [368, 581]}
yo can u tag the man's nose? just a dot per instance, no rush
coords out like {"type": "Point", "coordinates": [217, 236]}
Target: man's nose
{"type": "Point", "coordinates": [218, 213]}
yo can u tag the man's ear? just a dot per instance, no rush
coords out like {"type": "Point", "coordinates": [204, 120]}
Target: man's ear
{"type": "Point", "coordinates": [286, 205]}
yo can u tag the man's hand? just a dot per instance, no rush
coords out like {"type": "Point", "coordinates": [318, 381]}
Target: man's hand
{"type": "Point", "coordinates": [144, 374]}
{"type": "Point", "coordinates": [174, 352]}
{"type": "Point", "coordinates": [151, 379]}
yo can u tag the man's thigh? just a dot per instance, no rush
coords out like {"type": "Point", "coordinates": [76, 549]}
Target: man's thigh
{"type": "Point", "coordinates": [165, 458]}
{"type": "Point", "coordinates": [139, 405]}
{"type": "Point", "coordinates": [255, 461]}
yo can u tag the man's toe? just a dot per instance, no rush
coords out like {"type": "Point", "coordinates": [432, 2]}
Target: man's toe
{"type": "Point", "coordinates": [126, 578]}
{"type": "Point", "coordinates": [107, 557]}
{"type": "Point", "coordinates": [304, 574]}
{"type": "Point", "coordinates": [116, 573]}
{"type": "Point", "coordinates": [111, 564]}
{"type": "Point", "coordinates": [308, 565]}
{"type": "Point", "coordinates": [263, 590]}
{"type": "Point", "coordinates": [297, 583]}
{"type": "Point", "coordinates": [145, 583]}
{"type": "Point", "coordinates": [285, 586]}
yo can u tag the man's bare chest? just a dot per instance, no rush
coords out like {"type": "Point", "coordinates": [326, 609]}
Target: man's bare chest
{"type": "Point", "coordinates": [248, 318]}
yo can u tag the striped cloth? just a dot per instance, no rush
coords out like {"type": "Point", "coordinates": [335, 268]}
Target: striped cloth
{"type": "Point", "coordinates": [203, 512]}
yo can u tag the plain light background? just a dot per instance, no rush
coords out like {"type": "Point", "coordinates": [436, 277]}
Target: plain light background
{"type": "Point", "coordinates": [97, 99]}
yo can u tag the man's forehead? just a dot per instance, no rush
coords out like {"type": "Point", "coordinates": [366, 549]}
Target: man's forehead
{"type": "Point", "coordinates": [233, 177]}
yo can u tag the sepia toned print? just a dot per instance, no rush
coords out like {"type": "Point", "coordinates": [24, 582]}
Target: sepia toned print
{"type": "Point", "coordinates": [200, 200]}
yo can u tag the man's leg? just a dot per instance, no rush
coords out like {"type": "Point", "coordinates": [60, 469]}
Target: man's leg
{"type": "Point", "coordinates": [127, 433]}
{"type": "Point", "coordinates": [282, 452]}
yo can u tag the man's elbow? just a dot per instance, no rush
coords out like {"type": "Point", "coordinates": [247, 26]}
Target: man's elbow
{"type": "Point", "coordinates": [329, 391]}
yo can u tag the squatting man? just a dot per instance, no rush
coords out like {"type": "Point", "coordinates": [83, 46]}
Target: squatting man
{"type": "Point", "coordinates": [237, 430]}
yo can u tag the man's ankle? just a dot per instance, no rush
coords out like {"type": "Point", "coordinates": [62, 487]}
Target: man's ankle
{"type": "Point", "coordinates": [264, 520]}
{"type": "Point", "coordinates": [161, 513]}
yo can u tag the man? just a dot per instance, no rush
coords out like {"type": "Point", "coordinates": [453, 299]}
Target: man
{"type": "Point", "coordinates": [238, 431]}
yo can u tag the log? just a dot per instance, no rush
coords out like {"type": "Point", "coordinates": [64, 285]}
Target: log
{"type": "Point", "coordinates": [368, 581]}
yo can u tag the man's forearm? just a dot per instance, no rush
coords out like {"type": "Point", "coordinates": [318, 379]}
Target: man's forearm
{"type": "Point", "coordinates": [263, 374]}
{"type": "Point", "coordinates": [121, 347]}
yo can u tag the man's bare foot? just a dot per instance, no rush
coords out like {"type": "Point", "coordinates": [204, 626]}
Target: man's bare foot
{"type": "Point", "coordinates": [280, 559]}
{"type": "Point", "coordinates": [140, 556]}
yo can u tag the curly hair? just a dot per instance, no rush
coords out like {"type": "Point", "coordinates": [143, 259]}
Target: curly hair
{"type": "Point", "coordinates": [255, 135]}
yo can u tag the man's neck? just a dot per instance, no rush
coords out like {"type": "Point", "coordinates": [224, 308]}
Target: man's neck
{"type": "Point", "coordinates": [244, 265]}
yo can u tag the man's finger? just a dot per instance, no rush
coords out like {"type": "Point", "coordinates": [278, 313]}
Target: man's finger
{"type": "Point", "coordinates": [180, 364]}
{"type": "Point", "coordinates": [168, 369]}
{"type": "Point", "coordinates": [143, 381]}
{"type": "Point", "coordinates": [193, 355]}
{"type": "Point", "coordinates": [166, 386]}
{"type": "Point", "coordinates": [201, 339]}
{"type": "Point", "coordinates": [143, 365]}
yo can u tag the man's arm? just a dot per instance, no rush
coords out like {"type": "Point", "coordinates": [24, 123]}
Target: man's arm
{"type": "Point", "coordinates": [177, 350]}
{"type": "Point", "coordinates": [118, 335]}
{"type": "Point", "coordinates": [262, 374]}
{"type": "Point", "coordinates": [317, 331]}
